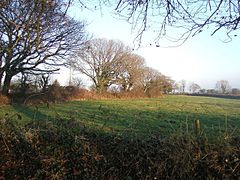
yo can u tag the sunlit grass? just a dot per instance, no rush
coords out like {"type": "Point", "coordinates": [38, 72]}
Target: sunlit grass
{"type": "Point", "coordinates": [140, 117]}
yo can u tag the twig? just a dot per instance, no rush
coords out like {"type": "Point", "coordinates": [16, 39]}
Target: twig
{"type": "Point", "coordinates": [5, 143]}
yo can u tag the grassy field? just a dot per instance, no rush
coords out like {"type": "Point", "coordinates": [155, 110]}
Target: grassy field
{"type": "Point", "coordinates": [139, 117]}
{"type": "Point", "coordinates": [122, 139]}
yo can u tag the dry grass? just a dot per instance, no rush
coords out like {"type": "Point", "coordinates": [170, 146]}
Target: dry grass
{"type": "Point", "coordinates": [4, 100]}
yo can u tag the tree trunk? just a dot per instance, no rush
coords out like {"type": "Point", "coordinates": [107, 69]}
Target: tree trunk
{"type": "Point", "coordinates": [1, 76]}
{"type": "Point", "coordinates": [6, 84]}
{"type": "Point", "coordinates": [98, 89]}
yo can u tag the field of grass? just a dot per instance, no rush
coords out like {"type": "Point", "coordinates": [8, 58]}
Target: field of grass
{"type": "Point", "coordinates": [122, 139]}
{"type": "Point", "coordinates": [140, 117]}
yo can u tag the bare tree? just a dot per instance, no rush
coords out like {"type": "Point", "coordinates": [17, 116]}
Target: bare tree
{"type": "Point", "coordinates": [176, 87]}
{"type": "Point", "coordinates": [43, 81]}
{"type": "Point", "coordinates": [161, 84]}
{"type": "Point", "coordinates": [132, 66]}
{"type": "Point", "coordinates": [148, 75]}
{"type": "Point", "coordinates": [223, 86]}
{"type": "Point", "coordinates": [163, 16]}
{"type": "Point", "coordinates": [189, 17]}
{"type": "Point", "coordinates": [23, 83]}
{"type": "Point", "coordinates": [35, 35]}
{"type": "Point", "coordinates": [31, 83]}
{"type": "Point", "coordinates": [153, 82]}
{"type": "Point", "coordinates": [193, 87]}
{"type": "Point", "coordinates": [78, 82]}
{"type": "Point", "coordinates": [182, 86]}
{"type": "Point", "coordinates": [101, 61]}
{"type": "Point", "coordinates": [165, 84]}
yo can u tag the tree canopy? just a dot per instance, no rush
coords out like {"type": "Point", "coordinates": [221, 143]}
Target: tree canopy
{"type": "Point", "coordinates": [109, 62]}
{"type": "Point", "coordinates": [101, 60]}
{"type": "Point", "coordinates": [35, 36]}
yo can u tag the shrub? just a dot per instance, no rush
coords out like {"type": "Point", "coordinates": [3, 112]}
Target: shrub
{"type": "Point", "coordinates": [4, 100]}
{"type": "Point", "coordinates": [57, 93]}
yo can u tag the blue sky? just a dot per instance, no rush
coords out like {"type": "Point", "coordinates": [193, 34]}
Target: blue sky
{"type": "Point", "coordinates": [203, 59]}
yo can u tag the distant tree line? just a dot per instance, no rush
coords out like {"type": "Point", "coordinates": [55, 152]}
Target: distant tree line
{"type": "Point", "coordinates": [222, 87]}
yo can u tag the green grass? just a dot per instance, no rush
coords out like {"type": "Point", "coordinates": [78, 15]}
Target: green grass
{"type": "Point", "coordinates": [140, 117]}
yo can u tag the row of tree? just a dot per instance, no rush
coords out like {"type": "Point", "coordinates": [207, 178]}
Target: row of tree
{"type": "Point", "coordinates": [221, 87]}
{"type": "Point", "coordinates": [111, 65]}
{"type": "Point", "coordinates": [37, 37]}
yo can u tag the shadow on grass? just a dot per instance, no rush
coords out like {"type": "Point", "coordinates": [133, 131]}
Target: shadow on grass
{"type": "Point", "coordinates": [64, 149]}
{"type": "Point", "coordinates": [31, 113]}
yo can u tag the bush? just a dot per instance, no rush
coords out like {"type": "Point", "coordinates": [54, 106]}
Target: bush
{"type": "Point", "coordinates": [55, 93]}
{"type": "Point", "coordinates": [59, 93]}
{"type": "Point", "coordinates": [4, 100]}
